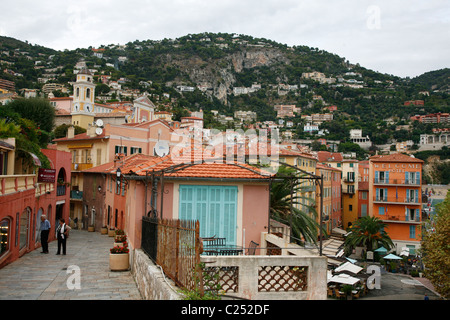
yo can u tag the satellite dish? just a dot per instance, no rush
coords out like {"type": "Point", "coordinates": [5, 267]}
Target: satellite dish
{"type": "Point", "coordinates": [99, 123]}
{"type": "Point", "coordinates": [99, 131]}
{"type": "Point", "coordinates": [162, 148]}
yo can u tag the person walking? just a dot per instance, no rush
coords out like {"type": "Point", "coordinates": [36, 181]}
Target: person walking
{"type": "Point", "coordinates": [45, 230]}
{"type": "Point", "coordinates": [61, 235]}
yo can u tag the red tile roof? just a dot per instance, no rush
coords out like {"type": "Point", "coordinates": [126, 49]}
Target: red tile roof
{"type": "Point", "coordinates": [194, 165]}
{"type": "Point", "coordinates": [396, 157]}
{"type": "Point", "coordinates": [325, 156]}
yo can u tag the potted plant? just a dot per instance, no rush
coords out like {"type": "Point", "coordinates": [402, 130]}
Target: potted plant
{"type": "Point", "coordinates": [347, 290]}
{"type": "Point", "coordinates": [104, 230]}
{"type": "Point", "coordinates": [119, 259]}
{"type": "Point", "coordinates": [111, 232]}
{"type": "Point", "coordinates": [120, 240]}
{"type": "Point", "coordinates": [118, 233]}
{"type": "Point", "coordinates": [91, 228]}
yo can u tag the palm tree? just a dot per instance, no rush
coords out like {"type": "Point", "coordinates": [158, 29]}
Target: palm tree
{"type": "Point", "coordinates": [368, 232]}
{"type": "Point", "coordinates": [285, 196]}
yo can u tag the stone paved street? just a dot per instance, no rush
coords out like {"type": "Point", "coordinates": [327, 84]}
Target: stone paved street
{"type": "Point", "coordinates": [37, 276]}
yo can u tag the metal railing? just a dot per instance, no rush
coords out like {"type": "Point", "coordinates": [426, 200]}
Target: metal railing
{"type": "Point", "coordinates": [175, 246]}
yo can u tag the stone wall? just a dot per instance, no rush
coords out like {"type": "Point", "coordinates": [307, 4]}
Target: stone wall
{"type": "Point", "coordinates": [151, 282]}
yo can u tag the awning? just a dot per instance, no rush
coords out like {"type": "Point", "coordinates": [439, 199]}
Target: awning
{"type": "Point", "coordinates": [348, 266]}
{"type": "Point", "coordinates": [344, 279]}
{"type": "Point", "coordinates": [36, 160]}
{"type": "Point", "coordinates": [381, 249]}
{"type": "Point", "coordinates": [392, 257]}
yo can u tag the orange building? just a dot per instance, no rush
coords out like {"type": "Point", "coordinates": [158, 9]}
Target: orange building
{"type": "Point", "coordinates": [395, 197]}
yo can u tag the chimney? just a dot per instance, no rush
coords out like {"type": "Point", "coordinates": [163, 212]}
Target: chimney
{"type": "Point", "coordinates": [91, 131]}
{"type": "Point", "coordinates": [70, 132]}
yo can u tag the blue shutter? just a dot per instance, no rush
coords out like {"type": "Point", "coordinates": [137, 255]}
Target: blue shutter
{"type": "Point", "coordinates": [386, 176]}
{"type": "Point", "coordinates": [214, 203]}
{"type": "Point", "coordinates": [417, 196]}
{"type": "Point", "coordinates": [406, 177]}
{"type": "Point", "coordinates": [378, 194]}
{"type": "Point", "coordinates": [417, 177]}
{"type": "Point", "coordinates": [381, 211]}
{"type": "Point", "coordinates": [407, 195]}
{"type": "Point", "coordinates": [377, 176]}
{"type": "Point", "coordinates": [201, 208]}
{"type": "Point", "coordinates": [417, 215]}
{"type": "Point", "coordinates": [186, 211]}
{"type": "Point", "coordinates": [412, 232]}
{"type": "Point", "coordinates": [386, 194]}
{"type": "Point", "coordinates": [230, 214]}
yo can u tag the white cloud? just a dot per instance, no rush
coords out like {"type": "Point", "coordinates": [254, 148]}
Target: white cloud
{"type": "Point", "coordinates": [412, 37]}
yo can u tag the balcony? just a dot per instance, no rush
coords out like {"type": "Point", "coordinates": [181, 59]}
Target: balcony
{"type": "Point", "coordinates": [400, 219]}
{"type": "Point", "coordinates": [76, 195]}
{"type": "Point", "coordinates": [397, 182]}
{"type": "Point", "coordinates": [15, 183]}
{"type": "Point", "coordinates": [397, 200]}
{"type": "Point", "coordinates": [81, 166]}
{"type": "Point", "coordinates": [61, 190]}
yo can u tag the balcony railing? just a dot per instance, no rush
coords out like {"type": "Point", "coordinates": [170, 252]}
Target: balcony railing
{"type": "Point", "coordinates": [409, 182]}
{"type": "Point", "coordinates": [61, 190]}
{"type": "Point", "coordinates": [81, 166]}
{"type": "Point", "coordinates": [14, 183]}
{"type": "Point", "coordinates": [409, 200]}
{"type": "Point", "coordinates": [401, 218]}
{"type": "Point", "coordinates": [76, 195]}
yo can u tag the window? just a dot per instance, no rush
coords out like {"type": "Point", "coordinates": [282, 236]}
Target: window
{"type": "Point", "coordinates": [363, 210]}
{"type": "Point", "coordinates": [88, 93]}
{"type": "Point", "coordinates": [381, 211]}
{"type": "Point", "coordinates": [24, 223]}
{"type": "Point", "coordinates": [214, 206]}
{"type": "Point", "coordinates": [381, 194]}
{"type": "Point", "coordinates": [350, 207]}
{"type": "Point", "coordinates": [5, 232]}
{"type": "Point", "coordinates": [364, 195]}
{"type": "Point", "coordinates": [412, 232]}
{"type": "Point", "coordinates": [135, 150]}
{"type": "Point", "coordinates": [121, 149]}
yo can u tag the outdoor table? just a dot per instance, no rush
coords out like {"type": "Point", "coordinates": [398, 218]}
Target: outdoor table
{"type": "Point", "coordinates": [227, 250]}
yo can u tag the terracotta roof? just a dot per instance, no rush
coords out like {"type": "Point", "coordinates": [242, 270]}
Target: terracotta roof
{"type": "Point", "coordinates": [325, 156]}
{"type": "Point", "coordinates": [396, 157]}
{"type": "Point", "coordinates": [82, 136]}
{"type": "Point", "coordinates": [194, 165]}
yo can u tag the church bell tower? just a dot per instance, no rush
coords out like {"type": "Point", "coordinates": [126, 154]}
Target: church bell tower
{"type": "Point", "coordinates": [83, 99]}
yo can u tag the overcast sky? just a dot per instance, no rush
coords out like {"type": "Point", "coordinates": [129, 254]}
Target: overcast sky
{"type": "Point", "coordinates": [399, 37]}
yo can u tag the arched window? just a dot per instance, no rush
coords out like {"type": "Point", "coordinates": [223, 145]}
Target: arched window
{"type": "Point", "coordinates": [88, 93]}
{"type": "Point", "coordinates": [78, 92]}
{"type": "Point", "coordinates": [5, 233]}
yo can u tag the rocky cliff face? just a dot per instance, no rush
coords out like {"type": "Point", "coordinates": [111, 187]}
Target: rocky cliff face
{"type": "Point", "coordinates": [218, 76]}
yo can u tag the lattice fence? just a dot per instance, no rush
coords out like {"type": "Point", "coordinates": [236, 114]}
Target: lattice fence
{"type": "Point", "coordinates": [282, 278]}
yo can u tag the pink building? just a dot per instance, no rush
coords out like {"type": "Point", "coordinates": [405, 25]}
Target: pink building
{"type": "Point", "coordinates": [25, 196]}
{"type": "Point", "coordinates": [230, 200]}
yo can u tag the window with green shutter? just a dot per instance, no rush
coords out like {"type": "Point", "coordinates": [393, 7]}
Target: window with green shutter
{"type": "Point", "coordinates": [215, 207]}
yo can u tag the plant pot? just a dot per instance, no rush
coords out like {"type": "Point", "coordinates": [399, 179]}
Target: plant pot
{"type": "Point", "coordinates": [119, 261]}
{"type": "Point", "coordinates": [118, 244]}
{"type": "Point", "coordinates": [91, 229]}
{"type": "Point", "coordinates": [111, 233]}
{"type": "Point", "coordinates": [104, 230]}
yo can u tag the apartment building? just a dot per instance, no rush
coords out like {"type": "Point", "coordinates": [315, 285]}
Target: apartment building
{"type": "Point", "coordinates": [395, 197]}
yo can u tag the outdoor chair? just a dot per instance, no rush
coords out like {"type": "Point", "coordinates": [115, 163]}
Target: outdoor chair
{"type": "Point", "coordinates": [339, 294]}
{"type": "Point", "coordinates": [252, 248]}
{"type": "Point", "coordinates": [330, 292]}
{"type": "Point", "coordinates": [216, 242]}
{"type": "Point", "coordinates": [356, 295]}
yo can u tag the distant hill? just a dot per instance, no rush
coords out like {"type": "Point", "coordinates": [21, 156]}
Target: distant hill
{"type": "Point", "coordinates": [229, 72]}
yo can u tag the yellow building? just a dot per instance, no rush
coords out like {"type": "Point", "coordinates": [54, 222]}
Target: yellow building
{"type": "Point", "coordinates": [307, 163]}
{"type": "Point", "coordinates": [350, 176]}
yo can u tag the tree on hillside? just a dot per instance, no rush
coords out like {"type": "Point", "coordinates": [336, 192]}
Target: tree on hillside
{"type": "Point", "coordinates": [436, 249]}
